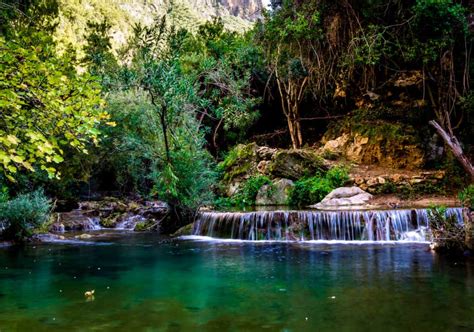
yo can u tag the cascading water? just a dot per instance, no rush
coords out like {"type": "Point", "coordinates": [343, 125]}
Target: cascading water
{"type": "Point", "coordinates": [378, 225]}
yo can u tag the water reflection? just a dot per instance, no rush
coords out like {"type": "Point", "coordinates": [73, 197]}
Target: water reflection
{"type": "Point", "coordinates": [186, 285]}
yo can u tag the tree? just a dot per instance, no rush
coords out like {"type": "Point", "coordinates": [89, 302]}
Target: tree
{"type": "Point", "coordinates": [158, 144]}
{"type": "Point", "coordinates": [303, 54]}
{"type": "Point", "coordinates": [45, 105]}
{"type": "Point", "coordinates": [98, 53]}
{"type": "Point", "coordinates": [443, 42]}
{"type": "Point", "coordinates": [223, 64]}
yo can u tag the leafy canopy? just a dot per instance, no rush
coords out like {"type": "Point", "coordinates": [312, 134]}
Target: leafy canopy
{"type": "Point", "coordinates": [45, 105]}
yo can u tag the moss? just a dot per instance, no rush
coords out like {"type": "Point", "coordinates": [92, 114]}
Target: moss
{"type": "Point", "coordinates": [145, 225]}
{"type": "Point", "coordinates": [418, 190]}
{"type": "Point", "coordinates": [110, 221]}
{"type": "Point", "coordinates": [296, 164]}
{"type": "Point", "coordinates": [246, 194]}
{"type": "Point", "coordinates": [239, 161]}
{"type": "Point", "coordinates": [376, 124]}
{"type": "Point", "coordinates": [185, 230]}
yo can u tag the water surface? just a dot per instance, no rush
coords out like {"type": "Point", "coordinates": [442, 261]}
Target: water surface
{"type": "Point", "coordinates": [142, 283]}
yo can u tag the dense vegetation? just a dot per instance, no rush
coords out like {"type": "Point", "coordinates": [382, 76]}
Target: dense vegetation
{"type": "Point", "coordinates": [154, 117]}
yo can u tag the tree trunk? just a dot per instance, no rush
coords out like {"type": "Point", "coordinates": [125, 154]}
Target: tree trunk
{"type": "Point", "coordinates": [295, 132]}
{"type": "Point", "coordinates": [294, 127]}
{"type": "Point", "coordinates": [455, 148]}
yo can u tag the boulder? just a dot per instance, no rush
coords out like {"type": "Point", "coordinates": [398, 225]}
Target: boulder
{"type": "Point", "coordinates": [265, 152]}
{"type": "Point", "coordinates": [275, 194]}
{"type": "Point", "coordinates": [345, 198]}
{"type": "Point", "coordinates": [74, 221]}
{"type": "Point", "coordinates": [185, 230]}
{"type": "Point", "coordinates": [240, 163]}
{"type": "Point", "coordinates": [295, 164]}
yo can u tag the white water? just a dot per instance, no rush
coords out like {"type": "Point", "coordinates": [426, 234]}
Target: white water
{"type": "Point", "coordinates": [410, 226]}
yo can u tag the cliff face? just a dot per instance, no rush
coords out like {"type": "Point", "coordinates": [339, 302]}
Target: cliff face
{"type": "Point", "coordinates": [246, 9]}
{"type": "Point", "coordinates": [237, 15]}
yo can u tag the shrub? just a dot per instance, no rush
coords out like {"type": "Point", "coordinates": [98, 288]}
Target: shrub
{"type": "Point", "coordinates": [247, 193]}
{"type": "Point", "coordinates": [467, 197]}
{"type": "Point", "coordinates": [4, 194]}
{"type": "Point", "coordinates": [448, 234]}
{"type": "Point", "coordinates": [338, 176]}
{"type": "Point", "coordinates": [22, 214]}
{"type": "Point", "coordinates": [310, 191]}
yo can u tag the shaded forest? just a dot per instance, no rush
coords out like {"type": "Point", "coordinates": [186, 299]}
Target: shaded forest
{"type": "Point", "coordinates": [162, 115]}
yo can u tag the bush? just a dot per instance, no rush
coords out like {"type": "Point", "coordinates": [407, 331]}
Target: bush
{"type": "Point", "coordinates": [312, 190]}
{"type": "Point", "coordinates": [338, 176]}
{"type": "Point", "coordinates": [22, 214]}
{"type": "Point", "coordinates": [448, 234]}
{"type": "Point", "coordinates": [467, 197]}
{"type": "Point", "coordinates": [247, 194]}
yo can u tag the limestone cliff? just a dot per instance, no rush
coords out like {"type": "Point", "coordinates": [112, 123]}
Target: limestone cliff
{"type": "Point", "coordinates": [123, 14]}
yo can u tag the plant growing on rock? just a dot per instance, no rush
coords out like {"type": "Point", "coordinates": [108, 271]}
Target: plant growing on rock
{"type": "Point", "coordinates": [448, 234]}
{"type": "Point", "coordinates": [312, 190]}
{"type": "Point", "coordinates": [467, 197]}
{"type": "Point", "coordinates": [247, 193]}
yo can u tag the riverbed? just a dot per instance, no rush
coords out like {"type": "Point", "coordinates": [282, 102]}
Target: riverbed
{"type": "Point", "coordinates": [146, 282]}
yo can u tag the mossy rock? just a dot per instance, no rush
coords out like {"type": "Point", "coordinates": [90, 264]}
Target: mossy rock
{"type": "Point", "coordinates": [295, 164]}
{"type": "Point", "coordinates": [185, 230]}
{"type": "Point", "coordinates": [145, 225]}
{"type": "Point", "coordinates": [241, 161]}
{"type": "Point", "coordinates": [110, 221]}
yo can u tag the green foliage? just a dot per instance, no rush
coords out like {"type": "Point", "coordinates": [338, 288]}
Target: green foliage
{"type": "Point", "coordinates": [4, 196]}
{"type": "Point", "coordinates": [46, 106]}
{"type": "Point", "coordinates": [467, 196]}
{"type": "Point", "coordinates": [237, 162]}
{"type": "Point", "coordinates": [98, 52]}
{"type": "Point", "coordinates": [448, 234]}
{"type": "Point", "coordinates": [246, 194]}
{"type": "Point", "coordinates": [158, 143]}
{"type": "Point", "coordinates": [22, 214]}
{"type": "Point", "coordinates": [438, 24]}
{"type": "Point", "coordinates": [312, 190]}
{"type": "Point", "coordinates": [338, 176]}
{"type": "Point", "coordinates": [223, 64]}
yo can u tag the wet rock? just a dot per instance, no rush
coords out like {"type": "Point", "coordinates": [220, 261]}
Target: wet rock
{"type": "Point", "coordinates": [276, 193]}
{"type": "Point", "coordinates": [84, 236]}
{"type": "Point", "coordinates": [345, 198]}
{"type": "Point", "coordinates": [47, 237]}
{"type": "Point", "coordinates": [110, 213]}
{"type": "Point", "coordinates": [73, 221]}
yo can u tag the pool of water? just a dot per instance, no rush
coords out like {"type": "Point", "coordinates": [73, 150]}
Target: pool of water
{"type": "Point", "coordinates": [143, 283]}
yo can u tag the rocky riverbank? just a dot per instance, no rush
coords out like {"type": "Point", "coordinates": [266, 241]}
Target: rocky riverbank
{"type": "Point", "coordinates": [112, 213]}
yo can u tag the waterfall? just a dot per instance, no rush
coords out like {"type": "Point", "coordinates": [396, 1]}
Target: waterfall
{"type": "Point", "coordinates": [377, 225]}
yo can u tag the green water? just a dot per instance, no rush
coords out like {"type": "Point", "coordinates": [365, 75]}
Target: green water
{"type": "Point", "coordinates": [142, 284]}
